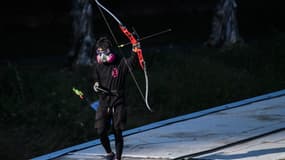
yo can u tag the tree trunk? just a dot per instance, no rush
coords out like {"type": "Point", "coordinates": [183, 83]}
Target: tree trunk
{"type": "Point", "coordinates": [83, 38]}
{"type": "Point", "coordinates": [225, 30]}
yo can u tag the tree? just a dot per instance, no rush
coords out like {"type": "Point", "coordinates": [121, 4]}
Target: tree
{"type": "Point", "coordinates": [82, 28]}
{"type": "Point", "coordinates": [225, 30]}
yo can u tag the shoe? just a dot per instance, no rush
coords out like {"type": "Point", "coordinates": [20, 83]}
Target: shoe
{"type": "Point", "coordinates": [115, 158]}
{"type": "Point", "coordinates": [110, 156]}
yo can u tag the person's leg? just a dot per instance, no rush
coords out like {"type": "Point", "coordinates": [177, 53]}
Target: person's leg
{"type": "Point", "coordinates": [102, 124]}
{"type": "Point", "coordinates": [119, 143]}
{"type": "Point", "coordinates": [119, 122]}
{"type": "Point", "coordinates": [103, 135]}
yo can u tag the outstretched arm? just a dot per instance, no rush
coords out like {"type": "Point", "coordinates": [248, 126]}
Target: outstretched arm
{"type": "Point", "coordinates": [133, 59]}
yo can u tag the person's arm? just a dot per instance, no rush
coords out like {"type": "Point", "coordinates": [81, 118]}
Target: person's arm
{"type": "Point", "coordinates": [133, 59]}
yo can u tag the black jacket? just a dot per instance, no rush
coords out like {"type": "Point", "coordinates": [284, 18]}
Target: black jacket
{"type": "Point", "coordinates": [111, 77]}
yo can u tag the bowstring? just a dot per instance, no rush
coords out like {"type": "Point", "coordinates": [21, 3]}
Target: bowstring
{"type": "Point", "coordinates": [126, 62]}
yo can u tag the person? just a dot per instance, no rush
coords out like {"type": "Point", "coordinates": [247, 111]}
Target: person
{"type": "Point", "coordinates": [109, 73]}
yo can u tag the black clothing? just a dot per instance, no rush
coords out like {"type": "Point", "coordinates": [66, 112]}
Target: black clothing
{"type": "Point", "coordinates": [119, 141]}
{"type": "Point", "coordinates": [109, 76]}
{"type": "Point", "coordinates": [112, 78]}
{"type": "Point", "coordinates": [112, 110]}
{"type": "Point", "coordinates": [103, 134]}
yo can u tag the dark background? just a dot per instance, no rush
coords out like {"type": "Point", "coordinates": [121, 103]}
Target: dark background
{"type": "Point", "coordinates": [36, 31]}
{"type": "Point", "coordinates": [44, 27]}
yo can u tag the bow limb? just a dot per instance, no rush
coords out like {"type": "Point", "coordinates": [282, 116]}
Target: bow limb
{"type": "Point", "coordinates": [138, 51]}
{"type": "Point", "coordinates": [109, 12]}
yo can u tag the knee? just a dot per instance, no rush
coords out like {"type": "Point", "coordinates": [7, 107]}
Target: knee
{"type": "Point", "coordinates": [118, 134]}
{"type": "Point", "coordinates": [101, 132]}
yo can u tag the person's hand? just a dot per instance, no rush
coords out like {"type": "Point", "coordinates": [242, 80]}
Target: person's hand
{"type": "Point", "coordinates": [136, 46]}
{"type": "Point", "coordinates": [96, 86]}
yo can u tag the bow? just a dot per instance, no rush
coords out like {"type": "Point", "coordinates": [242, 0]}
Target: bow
{"type": "Point", "coordinates": [138, 51]}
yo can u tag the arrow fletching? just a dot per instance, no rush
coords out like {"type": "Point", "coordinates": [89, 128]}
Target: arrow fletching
{"type": "Point", "coordinates": [78, 92]}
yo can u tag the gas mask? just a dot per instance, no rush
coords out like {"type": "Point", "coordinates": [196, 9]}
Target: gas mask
{"type": "Point", "coordinates": [104, 56]}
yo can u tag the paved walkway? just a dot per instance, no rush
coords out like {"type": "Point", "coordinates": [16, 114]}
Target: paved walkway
{"type": "Point", "coordinates": [270, 147]}
{"type": "Point", "coordinates": [251, 129]}
{"type": "Point", "coordinates": [201, 135]}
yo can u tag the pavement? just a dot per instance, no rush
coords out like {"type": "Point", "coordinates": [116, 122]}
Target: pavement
{"type": "Point", "coordinates": [251, 130]}
{"type": "Point", "coordinates": [269, 147]}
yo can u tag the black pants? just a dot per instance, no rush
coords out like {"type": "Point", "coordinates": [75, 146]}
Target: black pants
{"type": "Point", "coordinates": [119, 141]}
{"type": "Point", "coordinates": [117, 114]}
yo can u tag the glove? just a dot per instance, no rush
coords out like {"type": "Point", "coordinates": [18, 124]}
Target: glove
{"type": "Point", "coordinates": [136, 46]}
{"type": "Point", "coordinates": [96, 86]}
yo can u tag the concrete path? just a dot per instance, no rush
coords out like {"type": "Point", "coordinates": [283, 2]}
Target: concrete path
{"type": "Point", "coordinates": [269, 147]}
{"type": "Point", "coordinates": [196, 137]}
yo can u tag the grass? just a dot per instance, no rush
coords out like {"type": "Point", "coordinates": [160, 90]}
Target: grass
{"type": "Point", "coordinates": [40, 114]}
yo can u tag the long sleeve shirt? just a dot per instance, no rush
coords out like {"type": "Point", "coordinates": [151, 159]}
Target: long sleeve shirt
{"type": "Point", "coordinates": [112, 78]}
